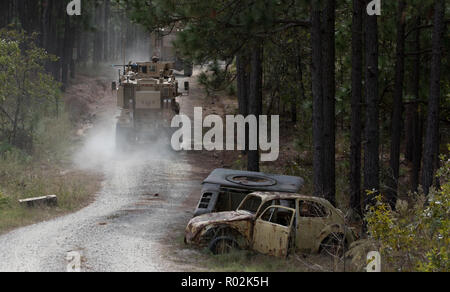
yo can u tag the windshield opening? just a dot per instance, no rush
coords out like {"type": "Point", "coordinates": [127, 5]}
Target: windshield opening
{"type": "Point", "coordinates": [251, 204]}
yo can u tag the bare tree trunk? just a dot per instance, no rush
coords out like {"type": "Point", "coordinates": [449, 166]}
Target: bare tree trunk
{"type": "Point", "coordinates": [300, 75]}
{"type": "Point", "coordinates": [317, 92]}
{"type": "Point", "coordinates": [372, 132]}
{"type": "Point", "coordinates": [432, 134]}
{"type": "Point", "coordinates": [243, 84]}
{"type": "Point", "coordinates": [53, 40]}
{"type": "Point", "coordinates": [255, 99]}
{"type": "Point", "coordinates": [417, 119]}
{"type": "Point", "coordinates": [98, 40]}
{"type": "Point", "coordinates": [396, 122]}
{"type": "Point", "coordinates": [329, 107]}
{"type": "Point", "coordinates": [66, 52]}
{"type": "Point", "coordinates": [107, 13]}
{"type": "Point", "coordinates": [293, 109]}
{"type": "Point", "coordinates": [356, 132]}
{"type": "Point", "coordinates": [4, 13]}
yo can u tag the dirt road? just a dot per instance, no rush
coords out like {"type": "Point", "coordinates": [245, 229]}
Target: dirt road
{"type": "Point", "coordinates": [144, 196]}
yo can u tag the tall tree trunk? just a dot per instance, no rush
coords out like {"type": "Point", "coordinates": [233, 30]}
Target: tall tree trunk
{"type": "Point", "coordinates": [4, 13]}
{"type": "Point", "coordinates": [242, 82]}
{"type": "Point", "coordinates": [59, 17]}
{"type": "Point", "coordinates": [356, 132]}
{"type": "Point", "coordinates": [417, 119]}
{"type": "Point", "coordinates": [45, 23]}
{"type": "Point", "coordinates": [74, 39]}
{"type": "Point", "coordinates": [107, 13]}
{"type": "Point", "coordinates": [98, 40]}
{"type": "Point", "coordinates": [66, 51]}
{"type": "Point", "coordinates": [301, 85]}
{"type": "Point", "coordinates": [255, 99]}
{"type": "Point", "coordinates": [329, 107]}
{"type": "Point", "coordinates": [243, 85]}
{"type": "Point", "coordinates": [294, 109]}
{"type": "Point", "coordinates": [372, 132]}
{"type": "Point", "coordinates": [396, 121]}
{"type": "Point", "coordinates": [409, 130]}
{"type": "Point", "coordinates": [317, 92]}
{"type": "Point", "coordinates": [300, 74]}
{"type": "Point", "coordinates": [432, 134]}
{"type": "Point", "coordinates": [52, 40]}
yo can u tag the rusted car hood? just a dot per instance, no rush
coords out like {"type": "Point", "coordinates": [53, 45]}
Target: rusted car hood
{"type": "Point", "coordinates": [197, 224]}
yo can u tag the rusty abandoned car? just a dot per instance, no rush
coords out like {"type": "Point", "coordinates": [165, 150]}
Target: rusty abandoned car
{"type": "Point", "coordinates": [224, 189]}
{"type": "Point", "coordinates": [274, 223]}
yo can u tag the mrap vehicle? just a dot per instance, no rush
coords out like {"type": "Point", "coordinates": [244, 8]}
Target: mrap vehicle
{"type": "Point", "coordinates": [146, 98]}
{"type": "Point", "coordinates": [224, 189]}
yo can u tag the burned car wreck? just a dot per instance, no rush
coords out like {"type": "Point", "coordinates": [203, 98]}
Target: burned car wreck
{"type": "Point", "coordinates": [224, 189]}
{"type": "Point", "coordinates": [275, 224]}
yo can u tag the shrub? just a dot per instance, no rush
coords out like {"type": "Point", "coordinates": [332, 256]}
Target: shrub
{"type": "Point", "coordinates": [416, 236]}
{"type": "Point", "coordinates": [27, 92]}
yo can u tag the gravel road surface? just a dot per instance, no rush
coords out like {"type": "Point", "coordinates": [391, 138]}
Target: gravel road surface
{"type": "Point", "coordinates": [125, 228]}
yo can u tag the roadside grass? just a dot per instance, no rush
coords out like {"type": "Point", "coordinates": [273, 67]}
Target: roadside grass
{"type": "Point", "coordinates": [247, 261]}
{"type": "Point", "coordinates": [202, 260]}
{"type": "Point", "coordinates": [46, 172]}
{"type": "Point", "coordinates": [250, 261]}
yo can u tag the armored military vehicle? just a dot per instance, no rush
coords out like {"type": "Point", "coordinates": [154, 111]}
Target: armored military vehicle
{"type": "Point", "coordinates": [146, 96]}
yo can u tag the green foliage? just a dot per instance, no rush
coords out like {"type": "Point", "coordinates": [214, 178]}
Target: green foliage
{"type": "Point", "coordinates": [5, 147]}
{"type": "Point", "coordinates": [415, 237]}
{"type": "Point", "coordinates": [27, 92]}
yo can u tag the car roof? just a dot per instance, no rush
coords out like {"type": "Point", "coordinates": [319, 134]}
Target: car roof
{"type": "Point", "coordinates": [267, 196]}
{"type": "Point", "coordinates": [257, 181]}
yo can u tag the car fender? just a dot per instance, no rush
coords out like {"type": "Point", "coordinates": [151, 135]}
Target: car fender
{"type": "Point", "coordinates": [238, 230]}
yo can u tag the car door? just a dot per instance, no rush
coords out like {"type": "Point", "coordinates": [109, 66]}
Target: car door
{"type": "Point", "coordinates": [273, 230]}
{"type": "Point", "coordinates": [312, 219]}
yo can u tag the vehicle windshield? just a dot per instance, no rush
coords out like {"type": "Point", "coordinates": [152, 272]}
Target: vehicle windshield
{"type": "Point", "coordinates": [251, 204]}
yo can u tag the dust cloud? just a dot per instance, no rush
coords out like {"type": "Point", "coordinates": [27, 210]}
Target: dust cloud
{"type": "Point", "coordinates": [99, 151]}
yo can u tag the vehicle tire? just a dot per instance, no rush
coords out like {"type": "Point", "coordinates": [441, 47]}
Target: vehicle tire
{"type": "Point", "coordinates": [333, 245]}
{"type": "Point", "coordinates": [223, 245]}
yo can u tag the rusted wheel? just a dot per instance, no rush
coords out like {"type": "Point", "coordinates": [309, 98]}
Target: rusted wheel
{"type": "Point", "coordinates": [333, 245]}
{"type": "Point", "coordinates": [223, 245]}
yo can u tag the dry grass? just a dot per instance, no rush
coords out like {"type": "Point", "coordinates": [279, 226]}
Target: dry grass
{"type": "Point", "coordinates": [248, 261]}
{"type": "Point", "coordinates": [202, 260]}
{"type": "Point", "coordinates": [47, 172]}
{"type": "Point", "coordinates": [20, 180]}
